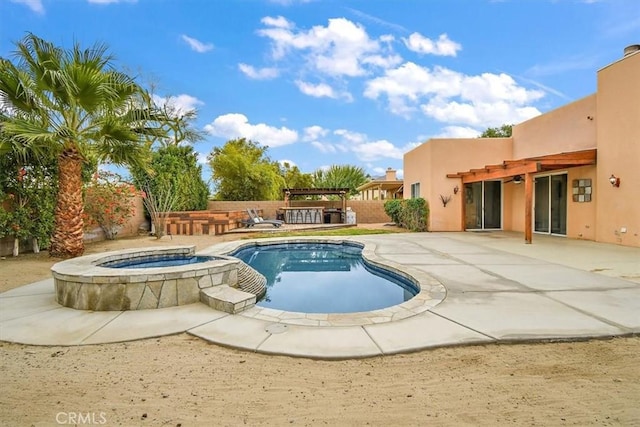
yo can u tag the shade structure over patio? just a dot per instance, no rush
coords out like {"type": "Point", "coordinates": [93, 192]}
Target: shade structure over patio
{"type": "Point", "coordinates": [307, 192]}
{"type": "Point", "coordinates": [526, 168]}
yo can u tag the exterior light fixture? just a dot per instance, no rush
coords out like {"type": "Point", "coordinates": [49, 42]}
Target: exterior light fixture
{"type": "Point", "coordinates": [456, 189]}
{"type": "Point", "coordinates": [517, 179]}
{"type": "Point", "coordinates": [614, 180]}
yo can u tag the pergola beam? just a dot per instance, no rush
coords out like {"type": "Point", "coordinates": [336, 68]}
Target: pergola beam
{"type": "Point", "coordinates": [526, 167]}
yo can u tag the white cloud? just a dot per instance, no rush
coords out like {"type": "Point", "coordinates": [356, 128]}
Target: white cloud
{"type": "Point", "coordinates": [452, 97]}
{"type": "Point", "coordinates": [325, 147]}
{"type": "Point", "coordinates": [378, 171]}
{"type": "Point", "coordinates": [367, 150]}
{"type": "Point", "coordinates": [180, 104]}
{"type": "Point", "coordinates": [202, 159]}
{"type": "Point", "coordinates": [376, 20]}
{"type": "Point", "coordinates": [237, 126]}
{"type": "Point", "coordinates": [458, 132]}
{"type": "Point", "coordinates": [342, 48]}
{"type": "Point", "coordinates": [376, 150]}
{"type": "Point", "coordinates": [424, 45]}
{"type": "Point", "coordinates": [480, 114]}
{"type": "Point", "coordinates": [197, 45]}
{"type": "Point", "coordinates": [290, 162]}
{"type": "Point", "coordinates": [277, 22]}
{"type": "Point", "coordinates": [350, 136]}
{"type": "Point", "coordinates": [266, 73]}
{"type": "Point", "coordinates": [317, 91]}
{"type": "Point", "coordinates": [35, 5]}
{"type": "Point", "coordinates": [313, 133]}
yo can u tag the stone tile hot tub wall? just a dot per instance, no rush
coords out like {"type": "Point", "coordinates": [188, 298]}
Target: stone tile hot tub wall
{"type": "Point", "coordinates": [81, 283]}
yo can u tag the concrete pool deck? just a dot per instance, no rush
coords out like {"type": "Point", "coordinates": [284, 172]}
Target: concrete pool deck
{"type": "Point", "coordinates": [497, 290]}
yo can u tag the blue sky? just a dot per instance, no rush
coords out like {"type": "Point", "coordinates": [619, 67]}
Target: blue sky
{"type": "Point", "coordinates": [357, 82]}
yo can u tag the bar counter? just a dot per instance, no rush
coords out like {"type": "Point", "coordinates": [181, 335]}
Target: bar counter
{"type": "Point", "coordinates": [304, 215]}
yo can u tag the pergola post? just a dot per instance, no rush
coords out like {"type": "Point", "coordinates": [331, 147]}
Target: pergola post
{"type": "Point", "coordinates": [528, 207]}
{"type": "Point", "coordinates": [527, 167]}
{"type": "Point", "coordinates": [343, 196]}
{"type": "Point", "coordinates": [463, 209]}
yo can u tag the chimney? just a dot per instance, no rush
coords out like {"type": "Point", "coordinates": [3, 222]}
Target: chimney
{"type": "Point", "coordinates": [633, 48]}
{"type": "Point", "coordinates": [390, 175]}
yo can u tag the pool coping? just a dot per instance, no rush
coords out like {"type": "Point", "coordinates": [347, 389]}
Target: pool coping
{"type": "Point", "coordinates": [89, 283]}
{"type": "Point", "coordinates": [498, 291]}
{"type": "Point", "coordinates": [431, 291]}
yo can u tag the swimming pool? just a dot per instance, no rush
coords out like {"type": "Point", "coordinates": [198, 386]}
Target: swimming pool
{"type": "Point", "coordinates": [314, 277]}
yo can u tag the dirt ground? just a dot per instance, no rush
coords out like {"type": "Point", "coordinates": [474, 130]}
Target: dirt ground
{"type": "Point", "coordinates": [183, 381]}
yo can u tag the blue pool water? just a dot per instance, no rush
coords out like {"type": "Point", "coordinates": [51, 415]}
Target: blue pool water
{"type": "Point", "coordinates": [324, 278]}
{"type": "Point", "coordinates": [157, 261]}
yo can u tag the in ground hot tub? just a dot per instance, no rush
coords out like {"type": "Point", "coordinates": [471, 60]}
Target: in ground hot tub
{"type": "Point", "coordinates": [147, 278]}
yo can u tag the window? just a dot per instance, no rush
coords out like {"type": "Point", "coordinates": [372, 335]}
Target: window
{"type": "Point", "coordinates": [415, 190]}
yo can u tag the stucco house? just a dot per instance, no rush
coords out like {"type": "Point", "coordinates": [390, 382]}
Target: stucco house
{"type": "Point", "coordinates": [574, 171]}
{"type": "Point", "coordinates": [382, 188]}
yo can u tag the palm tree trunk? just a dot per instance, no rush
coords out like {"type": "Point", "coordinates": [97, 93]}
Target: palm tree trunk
{"type": "Point", "coordinates": [68, 234]}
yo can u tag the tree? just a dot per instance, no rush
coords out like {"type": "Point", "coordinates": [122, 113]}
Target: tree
{"type": "Point", "coordinates": [158, 203]}
{"type": "Point", "coordinates": [503, 131]}
{"type": "Point", "coordinates": [174, 163]}
{"type": "Point", "coordinates": [340, 176]}
{"type": "Point", "coordinates": [74, 104]}
{"type": "Point", "coordinates": [176, 167]}
{"type": "Point", "coordinates": [243, 171]}
{"type": "Point", "coordinates": [178, 125]}
{"type": "Point", "coordinates": [293, 178]}
{"type": "Point", "coordinates": [109, 202]}
{"type": "Point", "coordinates": [27, 199]}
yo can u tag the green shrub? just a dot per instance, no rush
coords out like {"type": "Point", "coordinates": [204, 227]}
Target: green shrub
{"type": "Point", "coordinates": [412, 214]}
{"type": "Point", "coordinates": [415, 213]}
{"type": "Point", "coordinates": [393, 208]}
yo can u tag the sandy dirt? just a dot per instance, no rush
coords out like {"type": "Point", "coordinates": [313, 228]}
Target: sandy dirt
{"type": "Point", "coordinates": [182, 381]}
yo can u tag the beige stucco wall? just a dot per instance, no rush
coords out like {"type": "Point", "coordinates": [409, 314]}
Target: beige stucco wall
{"type": "Point", "coordinates": [608, 120]}
{"type": "Point", "coordinates": [430, 163]}
{"type": "Point", "coordinates": [618, 117]}
{"type": "Point", "coordinates": [581, 216]}
{"type": "Point", "coordinates": [562, 130]}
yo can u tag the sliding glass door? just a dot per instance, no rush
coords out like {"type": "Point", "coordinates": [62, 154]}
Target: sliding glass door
{"type": "Point", "coordinates": [483, 205]}
{"type": "Point", "coordinates": [550, 204]}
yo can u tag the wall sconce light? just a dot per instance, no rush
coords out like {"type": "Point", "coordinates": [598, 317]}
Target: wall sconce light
{"type": "Point", "coordinates": [614, 180]}
{"type": "Point", "coordinates": [517, 179]}
{"type": "Point", "coordinates": [456, 189]}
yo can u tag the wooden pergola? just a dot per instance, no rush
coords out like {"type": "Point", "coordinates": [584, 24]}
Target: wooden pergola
{"type": "Point", "coordinates": [526, 168]}
{"type": "Point", "coordinates": [292, 192]}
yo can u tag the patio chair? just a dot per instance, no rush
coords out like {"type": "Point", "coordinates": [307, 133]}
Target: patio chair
{"type": "Point", "coordinates": [255, 219]}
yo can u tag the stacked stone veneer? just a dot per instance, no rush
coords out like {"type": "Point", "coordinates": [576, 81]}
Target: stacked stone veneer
{"type": "Point", "coordinates": [82, 283]}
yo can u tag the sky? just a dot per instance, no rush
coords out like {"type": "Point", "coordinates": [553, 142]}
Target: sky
{"type": "Point", "coordinates": [344, 82]}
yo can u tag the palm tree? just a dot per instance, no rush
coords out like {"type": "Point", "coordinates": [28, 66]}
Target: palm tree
{"type": "Point", "coordinates": [74, 104]}
{"type": "Point", "coordinates": [340, 176]}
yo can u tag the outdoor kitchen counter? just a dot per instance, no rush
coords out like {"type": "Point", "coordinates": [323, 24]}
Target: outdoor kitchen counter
{"type": "Point", "coordinates": [304, 215]}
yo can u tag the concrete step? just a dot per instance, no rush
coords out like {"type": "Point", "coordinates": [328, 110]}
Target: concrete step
{"type": "Point", "coordinates": [227, 299]}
